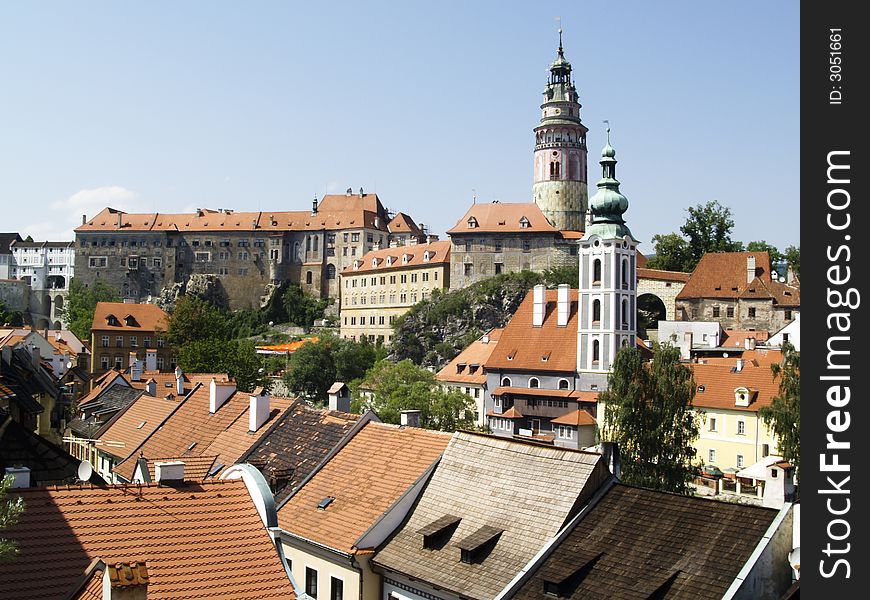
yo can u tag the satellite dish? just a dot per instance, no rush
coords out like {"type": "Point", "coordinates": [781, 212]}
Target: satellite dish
{"type": "Point", "coordinates": [85, 471]}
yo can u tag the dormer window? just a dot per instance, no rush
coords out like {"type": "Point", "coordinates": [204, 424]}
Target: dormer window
{"type": "Point", "coordinates": [460, 367]}
{"type": "Point", "coordinates": [524, 223]}
{"type": "Point", "coordinates": [438, 532]}
{"type": "Point", "coordinates": [406, 258]}
{"type": "Point", "coordinates": [130, 321]}
{"type": "Point", "coordinates": [113, 321]}
{"type": "Point", "coordinates": [356, 265]}
{"type": "Point", "coordinates": [426, 256]}
{"type": "Point", "coordinates": [743, 396]}
{"type": "Point", "coordinates": [477, 546]}
{"type": "Point", "coordinates": [389, 260]}
{"type": "Point", "coordinates": [472, 223]}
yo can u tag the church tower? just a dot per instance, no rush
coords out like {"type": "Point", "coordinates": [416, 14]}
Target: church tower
{"type": "Point", "coordinates": [560, 151]}
{"type": "Point", "coordinates": [608, 280]}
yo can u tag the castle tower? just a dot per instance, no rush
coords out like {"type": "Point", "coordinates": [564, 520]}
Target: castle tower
{"type": "Point", "coordinates": [608, 280]}
{"type": "Point", "coordinates": [560, 151]}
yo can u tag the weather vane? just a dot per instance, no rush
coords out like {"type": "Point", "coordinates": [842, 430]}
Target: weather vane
{"type": "Point", "coordinates": [608, 130]}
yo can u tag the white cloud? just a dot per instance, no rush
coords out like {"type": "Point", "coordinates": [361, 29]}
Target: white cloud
{"type": "Point", "coordinates": [65, 215]}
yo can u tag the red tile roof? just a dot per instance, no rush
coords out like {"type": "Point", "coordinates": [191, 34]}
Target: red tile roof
{"type": "Point", "coordinates": [402, 223]}
{"type": "Point", "coordinates": [192, 431]}
{"type": "Point", "coordinates": [737, 338]}
{"type": "Point", "coordinates": [147, 317]}
{"type": "Point", "coordinates": [376, 260]}
{"type": "Point", "coordinates": [503, 218]}
{"type": "Point", "coordinates": [724, 275]}
{"type": "Point", "coordinates": [720, 381]}
{"type": "Point", "coordinates": [199, 541]}
{"type": "Point", "coordinates": [478, 352]}
{"type": "Point", "coordinates": [570, 394]}
{"type": "Point", "coordinates": [527, 345]}
{"type": "Point", "coordinates": [196, 468]}
{"type": "Point", "coordinates": [132, 425]}
{"type": "Point", "coordinates": [365, 478]}
{"type": "Point", "coordinates": [577, 418]}
{"type": "Point", "coordinates": [660, 275]}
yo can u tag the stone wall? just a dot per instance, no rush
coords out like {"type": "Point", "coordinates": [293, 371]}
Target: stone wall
{"type": "Point", "coordinates": [14, 294]}
{"type": "Point", "coordinates": [666, 291]}
{"type": "Point", "coordinates": [767, 317]}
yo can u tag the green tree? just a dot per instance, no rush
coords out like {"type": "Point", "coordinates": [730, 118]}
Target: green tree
{"type": "Point", "coordinates": [10, 317]}
{"type": "Point", "coordinates": [194, 319]}
{"type": "Point", "coordinates": [793, 258]}
{"type": "Point", "coordinates": [398, 386]}
{"type": "Point", "coordinates": [776, 256]}
{"type": "Point", "coordinates": [352, 359]}
{"type": "Point", "coordinates": [648, 412]}
{"type": "Point", "coordinates": [237, 358]}
{"type": "Point", "coordinates": [783, 416]}
{"type": "Point", "coordinates": [81, 304]}
{"type": "Point", "coordinates": [10, 512]}
{"type": "Point", "coordinates": [708, 228]}
{"type": "Point", "coordinates": [672, 253]}
{"type": "Point", "coordinates": [312, 369]}
{"type": "Point", "coordinates": [300, 308]}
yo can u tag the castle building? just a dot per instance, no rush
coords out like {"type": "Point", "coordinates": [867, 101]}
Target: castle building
{"type": "Point", "coordinates": [497, 238]}
{"type": "Point", "coordinates": [141, 254]}
{"type": "Point", "coordinates": [47, 267]}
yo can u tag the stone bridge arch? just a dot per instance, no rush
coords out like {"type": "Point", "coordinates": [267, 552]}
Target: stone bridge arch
{"type": "Point", "coordinates": [664, 285]}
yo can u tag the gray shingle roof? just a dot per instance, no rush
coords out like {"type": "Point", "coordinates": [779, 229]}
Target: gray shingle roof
{"type": "Point", "coordinates": [634, 543]}
{"type": "Point", "coordinates": [528, 491]}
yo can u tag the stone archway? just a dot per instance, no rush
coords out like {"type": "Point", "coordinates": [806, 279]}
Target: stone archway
{"type": "Point", "coordinates": [650, 310]}
{"type": "Point", "coordinates": [666, 285]}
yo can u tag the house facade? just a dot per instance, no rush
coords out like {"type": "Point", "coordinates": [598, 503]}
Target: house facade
{"type": "Point", "coordinates": [47, 267]}
{"type": "Point", "coordinates": [121, 328]}
{"type": "Point", "coordinates": [379, 287]}
{"type": "Point", "coordinates": [465, 373]}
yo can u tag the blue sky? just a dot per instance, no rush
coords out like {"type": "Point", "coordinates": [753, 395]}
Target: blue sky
{"type": "Point", "coordinates": [169, 106]}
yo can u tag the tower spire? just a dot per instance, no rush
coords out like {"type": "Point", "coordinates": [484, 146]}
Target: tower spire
{"type": "Point", "coordinates": [608, 204]}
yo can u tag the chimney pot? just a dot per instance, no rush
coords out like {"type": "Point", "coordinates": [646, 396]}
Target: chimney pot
{"type": "Point", "coordinates": [410, 418]}
{"type": "Point", "coordinates": [539, 306]}
{"type": "Point", "coordinates": [562, 305]}
{"type": "Point", "coordinates": [750, 269]}
{"type": "Point", "coordinates": [84, 219]}
{"type": "Point", "coordinates": [219, 393]}
{"type": "Point", "coordinates": [259, 411]}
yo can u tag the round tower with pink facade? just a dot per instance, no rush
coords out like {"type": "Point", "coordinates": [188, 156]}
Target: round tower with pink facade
{"type": "Point", "coordinates": [560, 151]}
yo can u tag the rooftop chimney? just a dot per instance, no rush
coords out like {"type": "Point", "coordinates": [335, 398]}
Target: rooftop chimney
{"type": "Point", "coordinates": [314, 206]}
{"type": "Point", "coordinates": [340, 400]}
{"type": "Point", "coordinates": [151, 387]}
{"type": "Point", "coordinates": [349, 192]}
{"type": "Point", "coordinates": [169, 471]}
{"type": "Point", "coordinates": [179, 381]}
{"type": "Point", "coordinates": [135, 367]}
{"type": "Point", "coordinates": [361, 193]}
{"type": "Point", "coordinates": [540, 305]}
{"type": "Point", "coordinates": [410, 418]}
{"type": "Point", "coordinates": [610, 454]}
{"type": "Point", "coordinates": [119, 220]}
{"type": "Point", "coordinates": [151, 360]}
{"type": "Point", "coordinates": [84, 219]}
{"type": "Point", "coordinates": [35, 357]}
{"type": "Point", "coordinates": [562, 305]}
{"type": "Point", "coordinates": [125, 581]}
{"type": "Point", "coordinates": [750, 269]}
{"type": "Point", "coordinates": [20, 476]}
{"type": "Point", "coordinates": [259, 412]}
{"type": "Point", "coordinates": [749, 343]}
{"type": "Point", "coordinates": [739, 364]}
{"type": "Point", "coordinates": [219, 392]}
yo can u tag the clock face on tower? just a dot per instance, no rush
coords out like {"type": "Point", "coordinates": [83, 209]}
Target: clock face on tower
{"type": "Point", "coordinates": [558, 111]}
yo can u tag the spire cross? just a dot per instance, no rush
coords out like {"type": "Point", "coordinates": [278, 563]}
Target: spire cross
{"type": "Point", "coordinates": [608, 130]}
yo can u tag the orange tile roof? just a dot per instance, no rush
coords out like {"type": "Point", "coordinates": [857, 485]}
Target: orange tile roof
{"type": "Point", "coordinates": [504, 218]}
{"type": "Point", "coordinates": [719, 383]}
{"type": "Point", "coordinates": [477, 353]}
{"type": "Point", "coordinates": [402, 223]}
{"type": "Point", "coordinates": [571, 394]}
{"type": "Point", "coordinates": [333, 212]}
{"type": "Point", "coordinates": [224, 433]}
{"type": "Point", "coordinates": [166, 381]}
{"type": "Point", "coordinates": [724, 275]}
{"type": "Point", "coordinates": [661, 275]}
{"type": "Point", "coordinates": [511, 413]}
{"type": "Point", "coordinates": [196, 468]}
{"type": "Point", "coordinates": [577, 418]}
{"type": "Point", "coordinates": [376, 260]}
{"type": "Point", "coordinates": [527, 344]}
{"type": "Point", "coordinates": [199, 541]}
{"type": "Point", "coordinates": [365, 477]}
{"type": "Point", "coordinates": [92, 589]}
{"type": "Point", "coordinates": [737, 338]}
{"type": "Point", "coordinates": [148, 317]}
{"type": "Point", "coordinates": [760, 357]}
{"type": "Point", "coordinates": [125, 431]}
{"type": "Point", "coordinates": [291, 347]}
{"type": "Point", "coordinates": [641, 260]}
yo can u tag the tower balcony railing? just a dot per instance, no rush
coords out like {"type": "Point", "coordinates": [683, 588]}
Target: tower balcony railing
{"type": "Point", "coordinates": [546, 145]}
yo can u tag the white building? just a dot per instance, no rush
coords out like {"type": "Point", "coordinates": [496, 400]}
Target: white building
{"type": "Point", "coordinates": [47, 267]}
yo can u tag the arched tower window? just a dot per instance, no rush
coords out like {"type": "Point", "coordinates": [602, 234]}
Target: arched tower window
{"type": "Point", "coordinates": [534, 382]}
{"type": "Point", "coordinates": [625, 320]}
{"type": "Point", "coordinates": [309, 277]}
{"type": "Point", "coordinates": [625, 273]}
{"type": "Point", "coordinates": [555, 169]}
{"type": "Point", "coordinates": [506, 381]}
{"type": "Point", "coordinates": [596, 352]}
{"type": "Point", "coordinates": [596, 311]}
{"type": "Point", "coordinates": [330, 271]}
{"type": "Point", "coordinates": [596, 271]}
{"type": "Point", "coordinates": [563, 384]}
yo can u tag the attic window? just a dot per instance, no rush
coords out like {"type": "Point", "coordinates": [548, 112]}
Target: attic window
{"type": "Point", "coordinates": [701, 388]}
{"type": "Point", "coordinates": [511, 355]}
{"type": "Point", "coordinates": [389, 260]}
{"type": "Point", "coordinates": [472, 223]}
{"type": "Point", "coordinates": [215, 469]}
{"type": "Point", "coordinates": [130, 321]}
{"type": "Point", "coordinates": [524, 223]}
{"type": "Point", "coordinates": [167, 384]}
{"type": "Point", "coordinates": [405, 258]}
{"type": "Point", "coordinates": [325, 502]}
{"type": "Point", "coordinates": [472, 368]}
{"type": "Point", "coordinates": [426, 256]}
{"type": "Point", "coordinates": [374, 262]}
{"type": "Point", "coordinates": [436, 533]}
{"type": "Point", "coordinates": [191, 447]}
{"type": "Point", "coordinates": [460, 367]}
{"type": "Point", "coordinates": [545, 357]}
{"type": "Point", "coordinates": [112, 320]}
{"type": "Point", "coordinates": [477, 546]}
{"type": "Point", "coordinates": [718, 287]}
{"type": "Point", "coordinates": [734, 289]}
{"type": "Point", "coordinates": [787, 293]}
{"type": "Point", "coordinates": [141, 425]}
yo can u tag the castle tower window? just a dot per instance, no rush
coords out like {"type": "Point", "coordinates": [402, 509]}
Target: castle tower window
{"type": "Point", "coordinates": [596, 271]}
{"type": "Point", "coordinates": [596, 311]}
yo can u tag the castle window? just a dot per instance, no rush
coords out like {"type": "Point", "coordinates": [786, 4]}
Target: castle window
{"type": "Point", "coordinates": [555, 168]}
{"type": "Point", "coordinates": [472, 223]}
{"type": "Point", "coordinates": [308, 277]}
{"type": "Point", "coordinates": [534, 382]}
{"type": "Point", "coordinates": [596, 271]}
{"type": "Point", "coordinates": [625, 273]}
{"type": "Point", "coordinates": [596, 352]}
{"type": "Point", "coordinates": [596, 311]}
{"type": "Point", "coordinates": [524, 223]}
{"type": "Point", "coordinates": [563, 384]}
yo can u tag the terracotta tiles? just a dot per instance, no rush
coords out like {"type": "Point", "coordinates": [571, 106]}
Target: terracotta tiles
{"type": "Point", "coordinates": [724, 275]}
{"type": "Point", "coordinates": [459, 370]}
{"type": "Point", "coordinates": [192, 431]}
{"type": "Point", "coordinates": [720, 381]}
{"type": "Point", "coordinates": [576, 418]}
{"type": "Point", "coordinates": [128, 429]}
{"type": "Point", "coordinates": [376, 260]}
{"type": "Point", "coordinates": [658, 274]}
{"type": "Point", "coordinates": [145, 317]}
{"type": "Point", "coordinates": [505, 218]}
{"type": "Point", "coordinates": [365, 477]}
{"type": "Point", "coordinates": [402, 223]}
{"type": "Point", "coordinates": [198, 540]}
{"type": "Point", "coordinates": [196, 468]}
{"type": "Point", "coordinates": [297, 443]}
{"type": "Point", "coordinates": [522, 346]}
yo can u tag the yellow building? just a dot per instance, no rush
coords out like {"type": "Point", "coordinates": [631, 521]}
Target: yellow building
{"type": "Point", "coordinates": [729, 395]}
{"type": "Point", "coordinates": [382, 285]}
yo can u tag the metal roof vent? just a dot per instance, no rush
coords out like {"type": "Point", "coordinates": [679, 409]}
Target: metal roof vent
{"type": "Point", "coordinates": [325, 502]}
